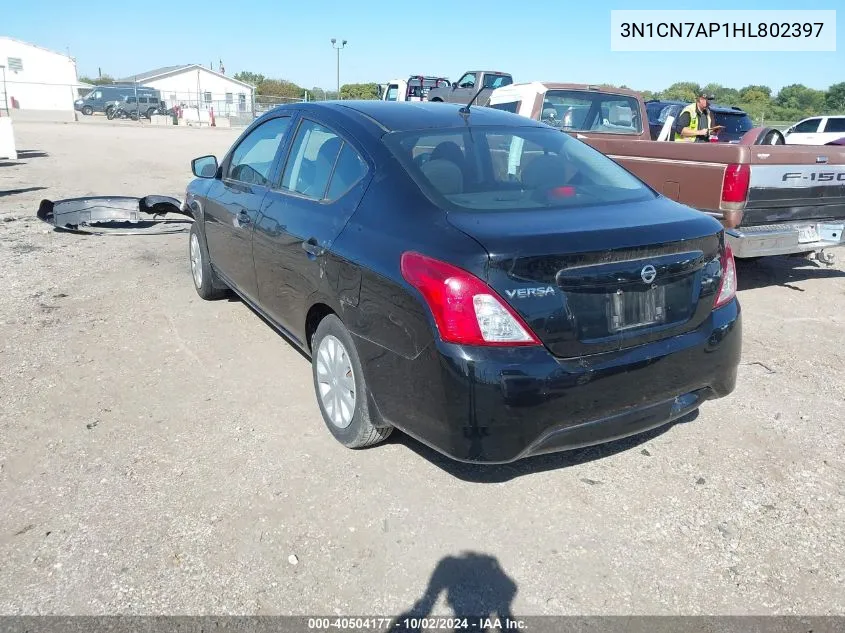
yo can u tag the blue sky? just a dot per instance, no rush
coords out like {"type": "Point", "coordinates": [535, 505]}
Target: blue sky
{"type": "Point", "coordinates": [549, 40]}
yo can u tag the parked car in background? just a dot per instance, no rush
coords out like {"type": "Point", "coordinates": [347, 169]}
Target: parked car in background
{"type": "Point", "coordinates": [492, 287]}
{"type": "Point", "coordinates": [772, 198]}
{"type": "Point", "coordinates": [101, 98]}
{"type": "Point", "coordinates": [469, 84]}
{"type": "Point", "coordinates": [414, 88]}
{"type": "Point", "coordinates": [817, 130]}
{"type": "Point", "coordinates": [735, 120]}
{"type": "Point", "coordinates": [144, 105]}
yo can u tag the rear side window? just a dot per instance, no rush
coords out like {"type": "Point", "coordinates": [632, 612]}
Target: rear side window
{"type": "Point", "coordinates": [583, 111]}
{"type": "Point", "coordinates": [510, 106]}
{"type": "Point", "coordinates": [734, 123]}
{"type": "Point", "coordinates": [835, 124]}
{"type": "Point", "coordinates": [496, 81]}
{"type": "Point", "coordinates": [486, 169]}
{"type": "Point", "coordinates": [312, 158]}
{"type": "Point", "coordinates": [348, 171]}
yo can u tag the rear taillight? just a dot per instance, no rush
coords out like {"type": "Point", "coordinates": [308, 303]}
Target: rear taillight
{"type": "Point", "coordinates": [727, 286]}
{"type": "Point", "coordinates": [466, 310]}
{"type": "Point", "coordinates": [735, 183]}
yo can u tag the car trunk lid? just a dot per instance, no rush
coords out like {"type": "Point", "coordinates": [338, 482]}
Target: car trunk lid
{"type": "Point", "coordinates": [600, 279]}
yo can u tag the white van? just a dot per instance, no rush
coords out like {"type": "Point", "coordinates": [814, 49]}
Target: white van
{"type": "Point", "coordinates": [816, 130]}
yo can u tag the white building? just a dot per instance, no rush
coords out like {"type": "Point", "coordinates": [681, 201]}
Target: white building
{"type": "Point", "coordinates": [194, 84]}
{"type": "Point", "coordinates": [36, 78]}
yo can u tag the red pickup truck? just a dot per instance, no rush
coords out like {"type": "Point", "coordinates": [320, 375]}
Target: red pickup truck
{"type": "Point", "coordinates": [772, 198]}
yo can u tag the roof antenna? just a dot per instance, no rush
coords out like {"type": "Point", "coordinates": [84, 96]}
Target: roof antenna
{"type": "Point", "coordinates": [465, 109]}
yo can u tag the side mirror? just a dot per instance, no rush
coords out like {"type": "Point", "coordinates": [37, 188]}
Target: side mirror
{"type": "Point", "coordinates": [204, 166]}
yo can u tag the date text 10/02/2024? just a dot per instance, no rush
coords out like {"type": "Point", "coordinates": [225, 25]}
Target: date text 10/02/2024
{"type": "Point", "coordinates": [717, 29]}
{"type": "Point", "coordinates": [424, 623]}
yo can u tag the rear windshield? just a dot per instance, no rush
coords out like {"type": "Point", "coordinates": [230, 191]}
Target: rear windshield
{"type": "Point", "coordinates": [738, 123]}
{"type": "Point", "coordinates": [582, 111]}
{"type": "Point", "coordinates": [492, 168]}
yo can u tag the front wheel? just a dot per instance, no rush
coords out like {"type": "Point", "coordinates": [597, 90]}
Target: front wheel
{"type": "Point", "coordinates": [110, 113]}
{"type": "Point", "coordinates": [201, 272]}
{"type": "Point", "coordinates": [340, 386]}
{"type": "Point", "coordinates": [87, 110]}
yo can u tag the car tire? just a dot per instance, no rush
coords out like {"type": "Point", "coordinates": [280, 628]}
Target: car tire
{"type": "Point", "coordinates": [344, 407]}
{"type": "Point", "coordinates": [205, 281]}
{"type": "Point", "coordinates": [87, 110]}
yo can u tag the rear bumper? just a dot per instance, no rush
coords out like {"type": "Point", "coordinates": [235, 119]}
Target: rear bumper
{"type": "Point", "coordinates": [785, 239]}
{"type": "Point", "coordinates": [500, 405]}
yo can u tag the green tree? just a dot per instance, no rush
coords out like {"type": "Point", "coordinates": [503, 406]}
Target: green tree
{"type": "Point", "coordinates": [681, 91]}
{"type": "Point", "coordinates": [279, 88]}
{"type": "Point", "coordinates": [723, 95]}
{"type": "Point", "coordinates": [251, 78]}
{"type": "Point", "coordinates": [96, 81]}
{"type": "Point", "coordinates": [800, 97]}
{"type": "Point", "coordinates": [753, 92]}
{"type": "Point", "coordinates": [835, 99]}
{"type": "Point", "coordinates": [359, 91]}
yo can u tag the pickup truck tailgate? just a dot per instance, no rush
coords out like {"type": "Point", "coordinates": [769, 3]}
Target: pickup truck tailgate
{"type": "Point", "coordinates": [794, 193]}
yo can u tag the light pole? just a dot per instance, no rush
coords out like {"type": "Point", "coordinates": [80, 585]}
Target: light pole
{"type": "Point", "coordinates": [5, 95]}
{"type": "Point", "coordinates": [337, 48]}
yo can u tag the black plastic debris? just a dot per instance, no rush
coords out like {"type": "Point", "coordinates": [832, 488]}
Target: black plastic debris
{"type": "Point", "coordinates": [117, 215]}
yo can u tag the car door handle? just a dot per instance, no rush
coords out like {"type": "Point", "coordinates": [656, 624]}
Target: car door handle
{"type": "Point", "coordinates": [311, 247]}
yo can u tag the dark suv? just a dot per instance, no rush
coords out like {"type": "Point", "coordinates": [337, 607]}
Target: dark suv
{"type": "Point", "coordinates": [736, 121]}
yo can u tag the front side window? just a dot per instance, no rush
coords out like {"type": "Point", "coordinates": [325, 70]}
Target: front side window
{"type": "Point", "coordinates": [582, 111]}
{"type": "Point", "coordinates": [467, 81]}
{"type": "Point", "coordinates": [487, 169]}
{"type": "Point", "coordinates": [807, 127]}
{"type": "Point", "coordinates": [312, 158]}
{"type": "Point", "coordinates": [392, 91]}
{"type": "Point", "coordinates": [252, 160]}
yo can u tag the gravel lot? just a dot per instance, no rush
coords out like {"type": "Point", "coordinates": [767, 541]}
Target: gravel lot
{"type": "Point", "coordinates": [162, 454]}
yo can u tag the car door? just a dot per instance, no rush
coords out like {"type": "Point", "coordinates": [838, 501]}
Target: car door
{"type": "Point", "coordinates": [465, 88]}
{"type": "Point", "coordinates": [324, 177]}
{"type": "Point", "coordinates": [233, 202]}
{"type": "Point", "coordinates": [804, 132]}
{"type": "Point", "coordinates": [834, 128]}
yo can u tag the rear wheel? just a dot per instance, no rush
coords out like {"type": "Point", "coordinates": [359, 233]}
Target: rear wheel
{"type": "Point", "coordinates": [205, 282]}
{"type": "Point", "coordinates": [340, 387]}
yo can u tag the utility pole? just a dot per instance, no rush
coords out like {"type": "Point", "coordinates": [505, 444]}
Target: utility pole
{"type": "Point", "coordinates": [338, 48]}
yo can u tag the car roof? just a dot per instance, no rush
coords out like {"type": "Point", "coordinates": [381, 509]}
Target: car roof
{"type": "Point", "coordinates": [401, 116]}
{"type": "Point", "coordinates": [722, 109]}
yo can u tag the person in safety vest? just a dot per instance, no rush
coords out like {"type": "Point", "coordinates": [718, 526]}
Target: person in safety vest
{"type": "Point", "coordinates": [695, 123]}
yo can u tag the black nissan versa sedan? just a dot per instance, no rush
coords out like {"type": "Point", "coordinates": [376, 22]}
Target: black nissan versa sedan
{"type": "Point", "coordinates": [485, 283]}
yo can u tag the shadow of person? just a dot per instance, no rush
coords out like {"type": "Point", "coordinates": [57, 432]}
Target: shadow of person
{"type": "Point", "coordinates": [476, 589]}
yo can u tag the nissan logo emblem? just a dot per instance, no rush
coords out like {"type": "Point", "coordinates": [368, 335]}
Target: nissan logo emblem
{"type": "Point", "coordinates": [648, 273]}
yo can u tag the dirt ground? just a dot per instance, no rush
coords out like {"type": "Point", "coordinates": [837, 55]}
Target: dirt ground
{"type": "Point", "coordinates": [162, 454]}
